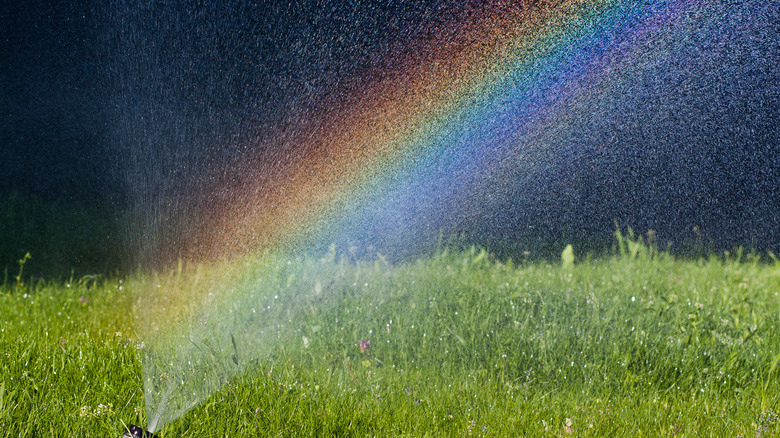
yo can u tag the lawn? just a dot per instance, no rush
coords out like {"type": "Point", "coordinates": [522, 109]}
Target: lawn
{"type": "Point", "coordinates": [459, 343]}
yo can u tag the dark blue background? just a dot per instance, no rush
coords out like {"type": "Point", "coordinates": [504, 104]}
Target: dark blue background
{"type": "Point", "coordinates": [124, 105]}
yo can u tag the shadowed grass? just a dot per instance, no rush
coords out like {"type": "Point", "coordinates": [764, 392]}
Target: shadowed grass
{"type": "Point", "coordinates": [460, 344]}
{"type": "Point", "coordinates": [64, 239]}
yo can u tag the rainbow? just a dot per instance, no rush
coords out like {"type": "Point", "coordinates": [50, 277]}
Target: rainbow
{"type": "Point", "coordinates": [435, 139]}
{"type": "Point", "coordinates": [431, 141]}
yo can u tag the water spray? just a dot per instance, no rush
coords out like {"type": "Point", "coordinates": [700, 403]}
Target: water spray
{"type": "Point", "coordinates": [459, 142]}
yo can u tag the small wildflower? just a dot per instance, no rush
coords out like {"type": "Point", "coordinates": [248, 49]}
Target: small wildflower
{"type": "Point", "coordinates": [365, 345]}
{"type": "Point", "coordinates": [83, 300]}
{"type": "Point", "coordinates": [84, 411]}
{"type": "Point", "coordinates": [470, 426]}
{"type": "Point", "coordinates": [103, 409]}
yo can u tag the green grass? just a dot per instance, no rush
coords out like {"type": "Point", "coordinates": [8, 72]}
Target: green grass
{"type": "Point", "coordinates": [637, 344]}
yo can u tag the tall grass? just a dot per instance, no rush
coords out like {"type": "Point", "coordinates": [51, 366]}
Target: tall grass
{"type": "Point", "coordinates": [456, 344]}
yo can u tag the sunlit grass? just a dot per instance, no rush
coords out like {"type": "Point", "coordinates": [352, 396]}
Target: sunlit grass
{"type": "Point", "coordinates": [460, 344]}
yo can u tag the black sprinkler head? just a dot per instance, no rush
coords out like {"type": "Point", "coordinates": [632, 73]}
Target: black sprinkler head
{"type": "Point", "coordinates": [137, 432]}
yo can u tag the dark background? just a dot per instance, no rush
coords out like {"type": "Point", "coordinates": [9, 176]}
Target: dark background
{"type": "Point", "coordinates": [110, 110]}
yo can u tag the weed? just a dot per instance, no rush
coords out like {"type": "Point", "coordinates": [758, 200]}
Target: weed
{"type": "Point", "coordinates": [19, 285]}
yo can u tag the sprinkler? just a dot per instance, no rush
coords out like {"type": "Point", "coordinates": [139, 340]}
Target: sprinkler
{"type": "Point", "coordinates": [133, 431]}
